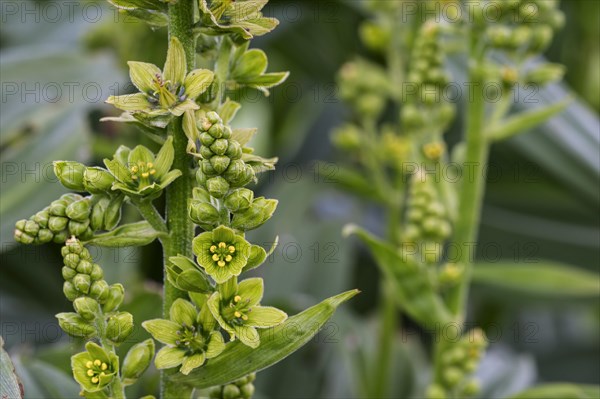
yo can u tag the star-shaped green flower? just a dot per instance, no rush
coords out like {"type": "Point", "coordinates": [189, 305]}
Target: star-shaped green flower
{"type": "Point", "coordinates": [163, 94]}
{"type": "Point", "coordinates": [242, 17]}
{"type": "Point", "coordinates": [222, 253]}
{"type": "Point", "coordinates": [190, 336]}
{"type": "Point", "coordinates": [95, 368]}
{"type": "Point", "coordinates": [139, 173]}
{"type": "Point", "coordinates": [236, 308]}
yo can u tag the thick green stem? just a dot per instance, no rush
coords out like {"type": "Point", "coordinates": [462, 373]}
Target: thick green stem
{"type": "Point", "coordinates": [471, 196]}
{"type": "Point", "coordinates": [181, 228]}
{"type": "Point", "coordinates": [385, 351]}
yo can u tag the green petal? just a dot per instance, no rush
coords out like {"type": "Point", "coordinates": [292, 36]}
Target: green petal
{"type": "Point", "coordinates": [122, 154]}
{"type": "Point", "coordinates": [197, 82]}
{"type": "Point", "coordinates": [201, 243]}
{"type": "Point", "coordinates": [169, 357]}
{"type": "Point", "coordinates": [78, 363]}
{"type": "Point", "coordinates": [183, 312]}
{"type": "Point", "coordinates": [143, 75]}
{"type": "Point", "coordinates": [140, 154]}
{"type": "Point", "coordinates": [126, 189]}
{"type": "Point", "coordinates": [164, 158]}
{"type": "Point", "coordinates": [251, 290]}
{"type": "Point", "coordinates": [169, 178]}
{"type": "Point", "coordinates": [164, 331]}
{"type": "Point", "coordinates": [96, 352]}
{"type": "Point", "coordinates": [119, 171]}
{"type": "Point", "coordinates": [214, 307]}
{"type": "Point", "coordinates": [224, 234]}
{"type": "Point", "coordinates": [205, 318]}
{"type": "Point", "coordinates": [131, 102]}
{"type": "Point", "coordinates": [175, 65]}
{"type": "Point", "coordinates": [192, 362]}
{"type": "Point", "coordinates": [228, 289]}
{"type": "Point", "coordinates": [234, 268]}
{"type": "Point", "coordinates": [215, 345]}
{"type": "Point", "coordinates": [248, 336]}
{"type": "Point", "coordinates": [187, 105]}
{"type": "Point", "coordinates": [219, 274]}
{"type": "Point", "coordinates": [265, 316]}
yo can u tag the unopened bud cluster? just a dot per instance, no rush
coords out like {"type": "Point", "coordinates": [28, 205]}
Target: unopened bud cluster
{"type": "Point", "coordinates": [222, 175]}
{"type": "Point", "coordinates": [427, 221]}
{"type": "Point", "coordinates": [458, 362]}
{"type": "Point", "coordinates": [70, 215]}
{"type": "Point", "coordinates": [92, 297]}
{"type": "Point", "coordinates": [239, 389]}
{"type": "Point", "coordinates": [365, 86]}
{"type": "Point", "coordinates": [428, 79]}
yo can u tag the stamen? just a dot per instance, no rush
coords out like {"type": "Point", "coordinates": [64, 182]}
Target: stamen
{"type": "Point", "coordinates": [237, 314]}
{"type": "Point", "coordinates": [153, 171]}
{"type": "Point", "coordinates": [228, 258]}
{"type": "Point", "coordinates": [90, 373]}
{"type": "Point", "coordinates": [222, 245]}
{"type": "Point", "coordinates": [97, 362]}
{"type": "Point", "coordinates": [215, 257]}
{"type": "Point", "coordinates": [213, 248]}
{"type": "Point", "coordinates": [149, 165]}
{"type": "Point", "coordinates": [145, 175]}
{"type": "Point", "coordinates": [104, 366]}
{"type": "Point", "coordinates": [89, 364]}
{"type": "Point", "coordinates": [231, 249]}
{"type": "Point", "coordinates": [95, 380]}
{"type": "Point", "coordinates": [244, 317]}
{"type": "Point", "coordinates": [237, 298]}
{"type": "Point", "coordinates": [221, 263]}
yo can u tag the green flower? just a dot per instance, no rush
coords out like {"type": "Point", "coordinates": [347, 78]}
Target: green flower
{"type": "Point", "coordinates": [222, 253]}
{"type": "Point", "coordinates": [190, 336]}
{"type": "Point", "coordinates": [95, 368]}
{"type": "Point", "coordinates": [236, 308]}
{"type": "Point", "coordinates": [139, 173]}
{"type": "Point", "coordinates": [163, 94]}
{"type": "Point", "coordinates": [241, 17]}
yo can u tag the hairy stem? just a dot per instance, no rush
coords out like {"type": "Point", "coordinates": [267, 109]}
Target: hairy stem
{"type": "Point", "coordinates": [181, 228]}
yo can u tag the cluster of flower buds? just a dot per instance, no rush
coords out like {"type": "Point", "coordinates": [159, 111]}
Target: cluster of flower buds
{"type": "Point", "coordinates": [94, 301]}
{"type": "Point", "coordinates": [459, 361]}
{"type": "Point", "coordinates": [365, 86]}
{"type": "Point", "coordinates": [427, 78]}
{"type": "Point", "coordinates": [221, 167]}
{"type": "Point", "coordinates": [71, 215]}
{"type": "Point", "coordinates": [426, 219]}
{"type": "Point", "coordinates": [239, 389]}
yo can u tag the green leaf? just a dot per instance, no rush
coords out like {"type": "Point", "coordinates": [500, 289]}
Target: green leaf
{"type": "Point", "coordinates": [560, 391]}
{"type": "Point", "coordinates": [238, 360]}
{"type": "Point", "coordinates": [542, 279]}
{"type": "Point", "coordinates": [129, 235]}
{"type": "Point", "coordinates": [522, 122]}
{"type": "Point", "coordinates": [414, 292]}
{"type": "Point", "coordinates": [10, 386]}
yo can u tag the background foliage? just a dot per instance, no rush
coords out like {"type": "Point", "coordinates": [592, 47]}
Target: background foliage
{"type": "Point", "coordinates": [542, 208]}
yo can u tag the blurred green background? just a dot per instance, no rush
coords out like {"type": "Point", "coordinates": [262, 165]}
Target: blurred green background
{"type": "Point", "coordinates": [59, 60]}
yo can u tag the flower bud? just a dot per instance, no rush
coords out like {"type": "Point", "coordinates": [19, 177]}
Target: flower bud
{"type": "Point", "coordinates": [203, 213]}
{"type": "Point", "coordinates": [201, 176]}
{"type": "Point", "coordinates": [68, 273]}
{"type": "Point", "coordinates": [217, 186]}
{"type": "Point", "coordinates": [435, 392]}
{"type": "Point", "coordinates": [78, 228]}
{"type": "Point", "coordinates": [70, 291]}
{"type": "Point", "coordinates": [114, 298]}
{"type": "Point", "coordinates": [201, 194]}
{"type": "Point", "coordinates": [98, 213]}
{"type": "Point", "coordinates": [259, 212]}
{"type": "Point", "coordinates": [452, 375]}
{"type": "Point", "coordinates": [219, 147]}
{"type": "Point", "coordinates": [220, 163]}
{"type": "Point", "coordinates": [97, 273]}
{"type": "Point", "coordinates": [239, 199]}
{"type": "Point", "coordinates": [216, 130]}
{"type": "Point", "coordinates": [541, 36]}
{"type": "Point", "coordinates": [71, 260]}
{"type": "Point", "coordinates": [45, 235]}
{"type": "Point", "coordinates": [206, 152]}
{"type": "Point", "coordinates": [137, 361]}
{"type": "Point", "coordinates": [231, 391]}
{"type": "Point", "coordinates": [234, 150]}
{"type": "Point", "coordinates": [545, 74]}
{"type": "Point", "coordinates": [207, 168]}
{"type": "Point", "coordinates": [99, 290]}
{"type": "Point", "coordinates": [247, 390]}
{"type": "Point", "coordinates": [79, 210]}
{"type": "Point", "coordinates": [213, 117]}
{"type": "Point", "coordinates": [375, 36]}
{"type": "Point", "coordinates": [119, 327]}
{"type": "Point", "coordinates": [97, 180]}
{"type": "Point", "coordinates": [85, 266]}
{"type": "Point", "coordinates": [70, 174]}
{"type": "Point", "coordinates": [347, 137]}
{"type": "Point", "coordinates": [75, 325]}
{"type": "Point", "coordinates": [82, 282]}
{"type": "Point", "coordinates": [86, 307]}
{"type": "Point", "coordinates": [61, 237]}
{"type": "Point", "coordinates": [41, 218]}
{"type": "Point", "coordinates": [113, 212]}
{"type": "Point", "coordinates": [57, 223]}
{"type": "Point", "coordinates": [471, 388]}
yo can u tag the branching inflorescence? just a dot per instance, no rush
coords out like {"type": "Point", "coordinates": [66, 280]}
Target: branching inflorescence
{"type": "Point", "coordinates": [204, 166]}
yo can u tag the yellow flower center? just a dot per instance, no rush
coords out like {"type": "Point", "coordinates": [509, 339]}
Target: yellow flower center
{"type": "Point", "coordinates": [95, 370]}
{"type": "Point", "coordinates": [142, 172]}
{"type": "Point", "coordinates": [222, 253]}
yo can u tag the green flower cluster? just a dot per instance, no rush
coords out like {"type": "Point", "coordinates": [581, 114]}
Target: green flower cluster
{"type": "Point", "coordinates": [364, 86]}
{"type": "Point", "coordinates": [68, 216]}
{"type": "Point", "coordinates": [427, 221]}
{"type": "Point", "coordinates": [239, 389]}
{"type": "Point", "coordinates": [242, 18]}
{"type": "Point", "coordinates": [191, 336]}
{"type": "Point", "coordinates": [94, 301]}
{"type": "Point", "coordinates": [458, 362]}
{"type": "Point", "coordinates": [425, 108]}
